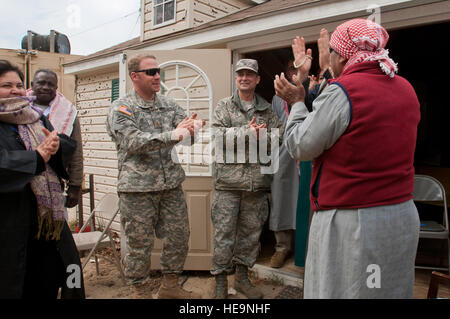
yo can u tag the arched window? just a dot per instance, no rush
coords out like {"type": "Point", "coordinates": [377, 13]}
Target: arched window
{"type": "Point", "coordinates": [190, 87]}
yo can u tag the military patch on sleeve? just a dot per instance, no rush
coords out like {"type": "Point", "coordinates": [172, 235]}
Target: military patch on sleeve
{"type": "Point", "coordinates": [124, 110]}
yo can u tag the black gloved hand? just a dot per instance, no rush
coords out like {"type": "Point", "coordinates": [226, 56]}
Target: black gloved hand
{"type": "Point", "coordinates": [73, 195]}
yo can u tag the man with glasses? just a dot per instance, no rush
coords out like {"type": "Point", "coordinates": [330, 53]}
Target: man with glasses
{"type": "Point", "coordinates": [145, 126]}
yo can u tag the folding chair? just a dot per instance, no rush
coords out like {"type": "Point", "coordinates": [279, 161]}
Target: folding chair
{"type": "Point", "coordinates": [429, 189]}
{"type": "Point", "coordinates": [107, 209]}
{"type": "Point", "coordinates": [436, 279]}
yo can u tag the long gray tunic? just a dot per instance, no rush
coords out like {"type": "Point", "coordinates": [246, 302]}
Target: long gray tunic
{"type": "Point", "coordinates": [284, 186]}
{"type": "Point", "coordinates": [357, 253]}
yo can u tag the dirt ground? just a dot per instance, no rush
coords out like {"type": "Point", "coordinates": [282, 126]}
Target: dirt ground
{"type": "Point", "coordinates": [108, 285]}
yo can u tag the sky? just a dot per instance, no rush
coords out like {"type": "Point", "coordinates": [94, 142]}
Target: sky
{"type": "Point", "coordinates": [90, 25]}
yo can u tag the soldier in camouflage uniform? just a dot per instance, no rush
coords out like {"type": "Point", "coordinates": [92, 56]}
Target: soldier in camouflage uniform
{"type": "Point", "coordinates": [240, 204]}
{"type": "Point", "coordinates": [145, 127]}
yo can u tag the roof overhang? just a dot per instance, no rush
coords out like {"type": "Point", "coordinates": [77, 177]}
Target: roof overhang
{"type": "Point", "coordinates": [92, 65]}
{"type": "Point", "coordinates": [238, 33]}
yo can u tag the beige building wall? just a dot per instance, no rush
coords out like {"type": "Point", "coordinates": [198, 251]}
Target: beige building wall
{"type": "Point", "coordinates": [189, 13]}
{"type": "Point", "coordinates": [14, 57]}
{"type": "Point", "coordinates": [44, 60]}
{"type": "Point", "coordinates": [93, 99]}
{"type": "Point", "coordinates": [182, 22]}
{"type": "Point", "coordinates": [207, 10]}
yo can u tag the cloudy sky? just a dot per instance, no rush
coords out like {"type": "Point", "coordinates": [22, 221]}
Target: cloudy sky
{"type": "Point", "coordinates": [91, 25]}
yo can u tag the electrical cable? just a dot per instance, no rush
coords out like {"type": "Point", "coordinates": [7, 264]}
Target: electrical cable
{"type": "Point", "coordinates": [105, 23]}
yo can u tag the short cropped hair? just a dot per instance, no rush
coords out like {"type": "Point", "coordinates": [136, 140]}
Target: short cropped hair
{"type": "Point", "coordinates": [45, 71]}
{"type": "Point", "coordinates": [6, 66]}
{"type": "Point", "coordinates": [133, 64]}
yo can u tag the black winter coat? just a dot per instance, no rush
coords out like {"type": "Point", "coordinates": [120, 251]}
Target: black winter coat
{"type": "Point", "coordinates": [26, 262]}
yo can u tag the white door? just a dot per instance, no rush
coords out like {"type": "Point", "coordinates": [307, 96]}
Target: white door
{"type": "Point", "coordinates": [197, 80]}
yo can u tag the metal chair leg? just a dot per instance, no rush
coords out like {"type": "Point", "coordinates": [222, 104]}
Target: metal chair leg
{"type": "Point", "coordinates": [96, 264]}
{"type": "Point", "coordinates": [448, 260]}
{"type": "Point", "coordinates": [116, 257]}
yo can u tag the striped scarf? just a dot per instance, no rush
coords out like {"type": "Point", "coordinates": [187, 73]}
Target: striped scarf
{"type": "Point", "coordinates": [45, 186]}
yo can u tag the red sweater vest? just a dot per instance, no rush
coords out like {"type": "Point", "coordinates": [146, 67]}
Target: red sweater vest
{"type": "Point", "coordinates": [371, 164]}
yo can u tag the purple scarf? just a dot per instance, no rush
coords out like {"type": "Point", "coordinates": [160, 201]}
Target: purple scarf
{"type": "Point", "coordinates": [47, 185]}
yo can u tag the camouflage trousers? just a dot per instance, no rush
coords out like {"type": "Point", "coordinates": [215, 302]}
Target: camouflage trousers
{"type": "Point", "coordinates": [143, 215]}
{"type": "Point", "coordinates": [238, 218]}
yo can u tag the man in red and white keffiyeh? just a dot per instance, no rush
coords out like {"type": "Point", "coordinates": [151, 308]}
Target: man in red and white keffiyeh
{"type": "Point", "coordinates": [361, 135]}
{"type": "Point", "coordinates": [361, 40]}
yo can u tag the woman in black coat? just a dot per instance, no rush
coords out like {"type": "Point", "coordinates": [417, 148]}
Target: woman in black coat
{"type": "Point", "coordinates": [37, 246]}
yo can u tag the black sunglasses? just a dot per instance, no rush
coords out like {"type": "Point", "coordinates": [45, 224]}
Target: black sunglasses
{"type": "Point", "coordinates": [150, 72]}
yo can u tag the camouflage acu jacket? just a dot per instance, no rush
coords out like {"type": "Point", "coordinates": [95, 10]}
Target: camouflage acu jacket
{"type": "Point", "coordinates": [142, 133]}
{"type": "Point", "coordinates": [232, 117]}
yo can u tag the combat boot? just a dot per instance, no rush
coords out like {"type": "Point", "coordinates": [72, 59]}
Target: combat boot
{"type": "Point", "coordinates": [141, 289]}
{"type": "Point", "coordinates": [170, 289]}
{"type": "Point", "coordinates": [221, 287]}
{"type": "Point", "coordinates": [243, 285]}
{"type": "Point", "coordinates": [278, 259]}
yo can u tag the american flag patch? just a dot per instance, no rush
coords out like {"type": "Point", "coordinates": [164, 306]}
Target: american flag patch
{"type": "Point", "coordinates": [124, 110]}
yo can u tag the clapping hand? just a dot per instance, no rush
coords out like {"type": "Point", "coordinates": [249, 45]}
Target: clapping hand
{"type": "Point", "coordinates": [323, 43]}
{"type": "Point", "coordinates": [255, 127]}
{"type": "Point", "coordinates": [197, 124]}
{"type": "Point", "coordinates": [187, 127]}
{"type": "Point", "coordinates": [49, 146]}
{"type": "Point", "coordinates": [313, 81]}
{"type": "Point", "coordinates": [302, 59]}
{"type": "Point", "coordinates": [291, 93]}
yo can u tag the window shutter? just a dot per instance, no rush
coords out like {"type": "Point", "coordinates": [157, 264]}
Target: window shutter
{"type": "Point", "coordinates": [114, 90]}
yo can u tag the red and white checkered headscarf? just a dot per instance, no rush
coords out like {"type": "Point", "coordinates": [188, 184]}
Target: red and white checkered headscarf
{"type": "Point", "coordinates": [361, 40]}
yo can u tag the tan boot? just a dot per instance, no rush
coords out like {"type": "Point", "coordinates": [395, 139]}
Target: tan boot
{"type": "Point", "coordinates": [170, 289]}
{"type": "Point", "coordinates": [243, 285]}
{"type": "Point", "coordinates": [221, 287]}
{"type": "Point", "coordinates": [278, 259]}
{"type": "Point", "coordinates": [141, 290]}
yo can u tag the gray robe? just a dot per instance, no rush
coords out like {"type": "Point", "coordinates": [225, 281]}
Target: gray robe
{"type": "Point", "coordinates": [284, 186]}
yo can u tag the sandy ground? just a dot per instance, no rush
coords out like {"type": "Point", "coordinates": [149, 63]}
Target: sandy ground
{"type": "Point", "coordinates": [108, 285]}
